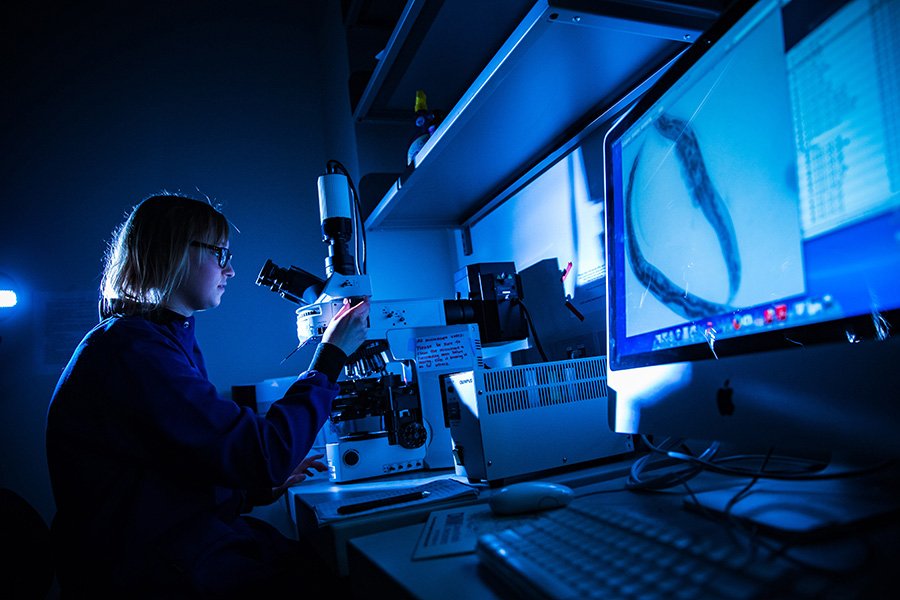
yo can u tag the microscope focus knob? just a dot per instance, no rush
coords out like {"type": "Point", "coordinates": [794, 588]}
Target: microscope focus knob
{"type": "Point", "coordinates": [412, 435]}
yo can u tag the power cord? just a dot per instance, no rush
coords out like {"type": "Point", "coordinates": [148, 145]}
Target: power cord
{"type": "Point", "coordinates": [530, 323]}
{"type": "Point", "coordinates": [671, 478]}
{"type": "Point", "coordinates": [806, 470]}
{"type": "Point", "coordinates": [809, 474]}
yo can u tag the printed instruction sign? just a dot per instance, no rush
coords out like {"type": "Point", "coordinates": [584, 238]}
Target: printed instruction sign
{"type": "Point", "coordinates": [443, 351]}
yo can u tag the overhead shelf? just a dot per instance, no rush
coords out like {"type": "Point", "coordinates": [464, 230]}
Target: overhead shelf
{"type": "Point", "coordinates": [559, 67]}
{"type": "Point", "coordinates": [438, 45]}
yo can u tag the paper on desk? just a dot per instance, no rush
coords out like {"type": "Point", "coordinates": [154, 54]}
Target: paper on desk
{"type": "Point", "coordinates": [440, 490]}
{"type": "Point", "coordinates": [456, 530]}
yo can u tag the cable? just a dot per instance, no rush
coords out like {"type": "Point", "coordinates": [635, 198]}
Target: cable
{"type": "Point", "coordinates": [534, 335]}
{"type": "Point", "coordinates": [806, 470]}
{"type": "Point", "coordinates": [360, 227]}
{"type": "Point", "coordinates": [790, 476]}
{"type": "Point", "coordinates": [750, 529]}
{"type": "Point", "coordinates": [668, 479]}
{"type": "Point", "coordinates": [731, 528]}
{"type": "Point", "coordinates": [805, 465]}
{"type": "Point", "coordinates": [743, 491]}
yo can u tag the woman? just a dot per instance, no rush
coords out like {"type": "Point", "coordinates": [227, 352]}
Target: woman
{"type": "Point", "coordinates": [151, 469]}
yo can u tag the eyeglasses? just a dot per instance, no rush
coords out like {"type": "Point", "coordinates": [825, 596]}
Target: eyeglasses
{"type": "Point", "coordinates": [223, 255]}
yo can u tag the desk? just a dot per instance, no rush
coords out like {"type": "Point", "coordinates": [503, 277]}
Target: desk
{"type": "Point", "coordinates": [380, 564]}
{"type": "Point", "coordinates": [331, 540]}
{"type": "Point", "coordinates": [859, 561]}
{"type": "Point", "coordinates": [375, 554]}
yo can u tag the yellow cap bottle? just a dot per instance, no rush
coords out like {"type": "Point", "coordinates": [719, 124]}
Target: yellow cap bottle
{"type": "Point", "coordinates": [425, 124]}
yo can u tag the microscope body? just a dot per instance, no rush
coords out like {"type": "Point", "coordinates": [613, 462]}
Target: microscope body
{"type": "Point", "coordinates": [389, 415]}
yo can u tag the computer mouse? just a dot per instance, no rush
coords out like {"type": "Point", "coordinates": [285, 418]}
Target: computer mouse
{"type": "Point", "coordinates": [529, 496]}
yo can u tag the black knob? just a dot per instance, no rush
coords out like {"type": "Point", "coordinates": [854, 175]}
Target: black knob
{"type": "Point", "coordinates": [351, 458]}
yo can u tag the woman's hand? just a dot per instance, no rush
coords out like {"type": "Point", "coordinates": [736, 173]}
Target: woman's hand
{"type": "Point", "coordinates": [303, 470]}
{"type": "Point", "coordinates": [347, 329]}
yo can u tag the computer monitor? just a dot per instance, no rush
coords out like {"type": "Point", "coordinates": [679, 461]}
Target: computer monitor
{"type": "Point", "coordinates": [753, 234]}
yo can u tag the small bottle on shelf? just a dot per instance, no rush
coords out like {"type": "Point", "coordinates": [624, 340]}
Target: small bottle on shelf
{"type": "Point", "coordinates": [425, 125]}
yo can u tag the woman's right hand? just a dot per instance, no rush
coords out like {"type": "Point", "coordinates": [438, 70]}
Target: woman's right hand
{"type": "Point", "coordinates": [347, 329]}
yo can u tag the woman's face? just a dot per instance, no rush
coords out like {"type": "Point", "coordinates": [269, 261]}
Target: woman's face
{"type": "Point", "coordinates": [205, 282]}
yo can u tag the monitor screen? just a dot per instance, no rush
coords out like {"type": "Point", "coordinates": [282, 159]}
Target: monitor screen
{"type": "Point", "coordinates": [753, 230]}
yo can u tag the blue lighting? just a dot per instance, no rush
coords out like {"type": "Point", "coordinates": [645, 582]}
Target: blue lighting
{"type": "Point", "coordinates": [8, 299]}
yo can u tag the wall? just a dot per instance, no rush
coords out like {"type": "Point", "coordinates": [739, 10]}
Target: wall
{"type": "Point", "coordinates": [241, 102]}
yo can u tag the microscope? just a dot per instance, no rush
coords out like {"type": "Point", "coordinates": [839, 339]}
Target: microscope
{"type": "Point", "coordinates": [389, 416]}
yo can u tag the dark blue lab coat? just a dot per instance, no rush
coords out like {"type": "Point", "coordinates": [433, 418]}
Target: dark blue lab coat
{"type": "Point", "coordinates": [152, 469]}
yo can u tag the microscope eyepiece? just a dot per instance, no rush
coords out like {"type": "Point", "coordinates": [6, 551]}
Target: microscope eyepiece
{"type": "Point", "coordinates": [292, 284]}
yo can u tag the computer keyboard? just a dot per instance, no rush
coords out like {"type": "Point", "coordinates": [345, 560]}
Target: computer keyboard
{"type": "Point", "coordinates": [592, 550]}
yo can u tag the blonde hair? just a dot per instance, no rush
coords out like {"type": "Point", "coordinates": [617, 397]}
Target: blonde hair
{"type": "Point", "coordinates": [149, 254]}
